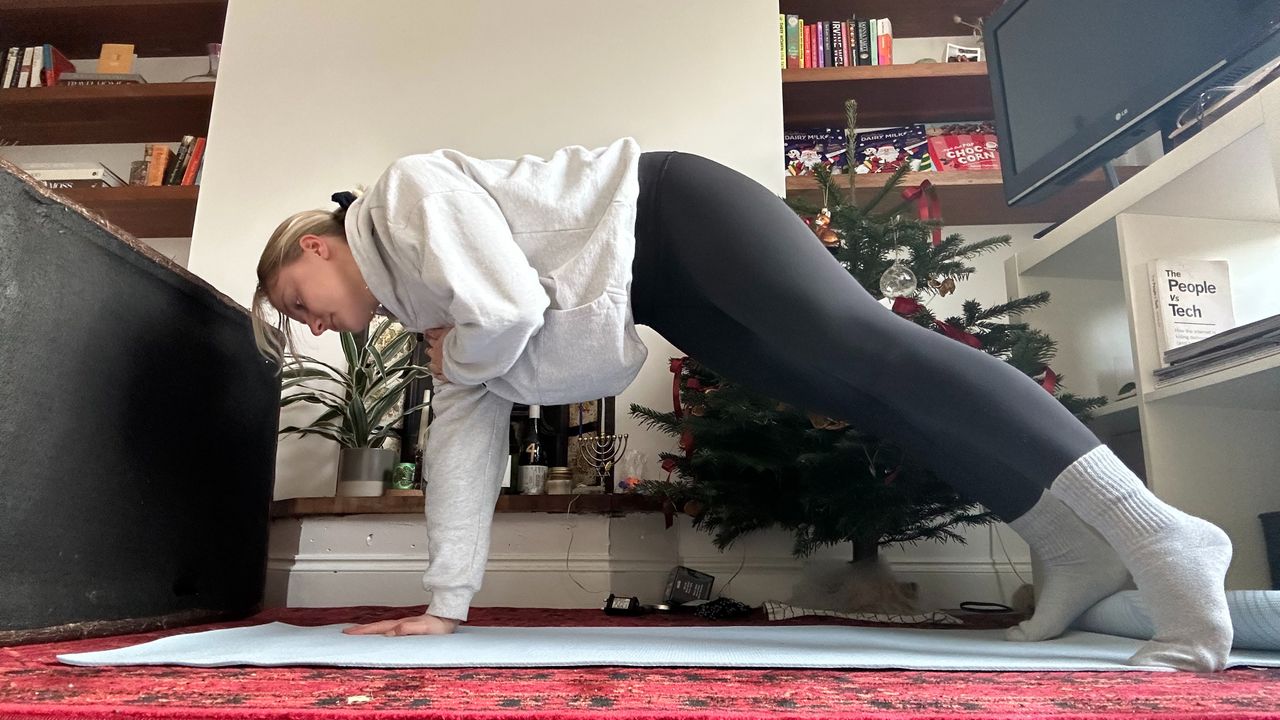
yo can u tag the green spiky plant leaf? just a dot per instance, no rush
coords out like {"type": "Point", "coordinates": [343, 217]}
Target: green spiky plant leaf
{"type": "Point", "coordinates": [357, 401]}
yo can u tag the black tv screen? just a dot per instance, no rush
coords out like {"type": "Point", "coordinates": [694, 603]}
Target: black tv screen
{"type": "Point", "coordinates": [1077, 82]}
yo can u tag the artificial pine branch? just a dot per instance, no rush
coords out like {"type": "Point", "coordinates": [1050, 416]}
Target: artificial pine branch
{"type": "Point", "coordinates": [895, 180]}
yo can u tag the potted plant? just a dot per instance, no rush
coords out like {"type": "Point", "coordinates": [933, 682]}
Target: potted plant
{"type": "Point", "coordinates": [359, 402]}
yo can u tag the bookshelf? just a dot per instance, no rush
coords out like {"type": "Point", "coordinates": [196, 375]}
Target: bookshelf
{"type": "Point", "coordinates": [902, 94]}
{"type": "Point", "coordinates": [1208, 442]}
{"type": "Point", "coordinates": [157, 28]}
{"type": "Point", "coordinates": [911, 18]}
{"type": "Point", "coordinates": [414, 505]}
{"type": "Point", "coordinates": [886, 94]}
{"type": "Point", "coordinates": [152, 112]}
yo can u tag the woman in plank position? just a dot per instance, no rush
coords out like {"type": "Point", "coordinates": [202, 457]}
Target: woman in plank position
{"type": "Point", "coordinates": [528, 277]}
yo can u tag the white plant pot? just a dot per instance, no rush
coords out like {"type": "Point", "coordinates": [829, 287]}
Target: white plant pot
{"type": "Point", "coordinates": [364, 472]}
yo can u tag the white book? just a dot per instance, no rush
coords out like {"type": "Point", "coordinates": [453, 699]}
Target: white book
{"type": "Point", "coordinates": [873, 42]}
{"type": "Point", "coordinates": [37, 64]}
{"type": "Point", "coordinates": [1191, 299]}
{"type": "Point", "coordinates": [10, 60]}
{"type": "Point", "coordinates": [24, 77]}
{"type": "Point", "coordinates": [57, 171]}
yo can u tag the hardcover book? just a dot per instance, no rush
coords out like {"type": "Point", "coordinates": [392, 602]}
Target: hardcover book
{"type": "Point", "coordinates": [1192, 300]}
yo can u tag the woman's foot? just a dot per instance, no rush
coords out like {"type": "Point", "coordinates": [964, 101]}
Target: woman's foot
{"type": "Point", "coordinates": [1181, 574]}
{"type": "Point", "coordinates": [1069, 583]}
{"type": "Point", "coordinates": [1178, 561]}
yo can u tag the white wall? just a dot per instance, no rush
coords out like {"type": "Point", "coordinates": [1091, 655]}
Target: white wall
{"type": "Point", "coordinates": [315, 96]}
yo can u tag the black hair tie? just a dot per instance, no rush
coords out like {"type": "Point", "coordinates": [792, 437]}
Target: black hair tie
{"type": "Point", "coordinates": [984, 607]}
{"type": "Point", "coordinates": [344, 198]}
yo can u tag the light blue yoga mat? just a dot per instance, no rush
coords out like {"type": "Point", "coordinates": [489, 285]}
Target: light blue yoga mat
{"type": "Point", "coordinates": [795, 646]}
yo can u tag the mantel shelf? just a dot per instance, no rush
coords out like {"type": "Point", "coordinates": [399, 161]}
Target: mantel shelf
{"type": "Point", "coordinates": [614, 504]}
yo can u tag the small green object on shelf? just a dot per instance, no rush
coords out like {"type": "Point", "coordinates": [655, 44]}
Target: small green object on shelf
{"type": "Point", "coordinates": [402, 476]}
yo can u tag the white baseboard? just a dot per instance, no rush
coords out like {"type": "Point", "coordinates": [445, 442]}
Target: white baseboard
{"type": "Point", "coordinates": [533, 580]}
{"type": "Point", "coordinates": [576, 561]}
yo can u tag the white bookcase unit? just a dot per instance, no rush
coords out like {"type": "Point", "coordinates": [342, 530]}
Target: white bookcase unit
{"type": "Point", "coordinates": [1208, 444]}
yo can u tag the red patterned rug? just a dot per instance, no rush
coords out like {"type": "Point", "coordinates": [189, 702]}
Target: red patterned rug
{"type": "Point", "coordinates": [35, 685]}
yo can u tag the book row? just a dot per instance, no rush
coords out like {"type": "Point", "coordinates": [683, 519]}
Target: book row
{"type": "Point", "coordinates": [45, 65]}
{"type": "Point", "coordinates": [160, 165]}
{"type": "Point", "coordinates": [834, 43]}
{"type": "Point", "coordinates": [931, 147]}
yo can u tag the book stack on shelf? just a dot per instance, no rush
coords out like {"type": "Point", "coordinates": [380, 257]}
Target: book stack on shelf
{"type": "Point", "coordinates": [925, 147]}
{"type": "Point", "coordinates": [1195, 320]}
{"type": "Point", "coordinates": [1225, 349]}
{"type": "Point", "coordinates": [45, 66]}
{"type": "Point", "coordinates": [162, 166]}
{"type": "Point", "coordinates": [834, 43]}
{"type": "Point", "coordinates": [68, 175]}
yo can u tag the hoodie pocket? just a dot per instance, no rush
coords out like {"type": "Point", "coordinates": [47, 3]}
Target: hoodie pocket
{"type": "Point", "coordinates": [578, 354]}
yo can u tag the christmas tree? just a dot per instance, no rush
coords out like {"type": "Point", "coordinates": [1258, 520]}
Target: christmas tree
{"type": "Point", "coordinates": [751, 463]}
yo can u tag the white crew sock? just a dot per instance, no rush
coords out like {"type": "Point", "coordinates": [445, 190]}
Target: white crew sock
{"type": "Point", "coordinates": [1178, 561]}
{"type": "Point", "coordinates": [1077, 568]}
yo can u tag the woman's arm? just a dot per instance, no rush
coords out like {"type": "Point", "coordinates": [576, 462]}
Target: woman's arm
{"type": "Point", "coordinates": [492, 294]}
{"type": "Point", "coordinates": [464, 457]}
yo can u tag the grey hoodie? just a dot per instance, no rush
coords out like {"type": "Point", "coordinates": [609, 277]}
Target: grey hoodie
{"type": "Point", "coordinates": [529, 261]}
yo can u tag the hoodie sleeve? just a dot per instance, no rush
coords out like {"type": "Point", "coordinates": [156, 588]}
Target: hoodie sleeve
{"type": "Point", "coordinates": [465, 453]}
{"type": "Point", "coordinates": [489, 289]}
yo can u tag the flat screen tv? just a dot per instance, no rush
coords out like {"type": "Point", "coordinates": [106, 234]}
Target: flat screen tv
{"type": "Point", "coordinates": [1076, 83]}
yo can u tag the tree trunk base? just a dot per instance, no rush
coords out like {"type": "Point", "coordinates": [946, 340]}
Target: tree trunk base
{"type": "Point", "coordinates": [864, 586]}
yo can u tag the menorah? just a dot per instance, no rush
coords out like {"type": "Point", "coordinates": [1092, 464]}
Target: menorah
{"type": "Point", "coordinates": [602, 451]}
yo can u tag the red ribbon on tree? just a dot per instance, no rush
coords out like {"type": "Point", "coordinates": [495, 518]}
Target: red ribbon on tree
{"type": "Point", "coordinates": [907, 307]}
{"type": "Point", "coordinates": [686, 437]}
{"type": "Point", "coordinates": [929, 209]}
{"type": "Point", "coordinates": [1050, 381]}
{"type": "Point", "coordinates": [676, 366]}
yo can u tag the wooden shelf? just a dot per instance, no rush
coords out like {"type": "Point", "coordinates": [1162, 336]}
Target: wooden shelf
{"type": "Point", "coordinates": [910, 18]}
{"type": "Point", "coordinates": [144, 212]}
{"type": "Point", "coordinates": [887, 94]}
{"type": "Point", "coordinates": [615, 504]}
{"type": "Point", "coordinates": [81, 114]}
{"type": "Point", "coordinates": [973, 197]}
{"type": "Point", "coordinates": [1117, 417]}
{"type": "Point", "coordinates": [156, 28]}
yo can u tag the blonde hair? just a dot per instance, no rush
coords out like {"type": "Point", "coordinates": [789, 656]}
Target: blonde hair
{"type": "Point", "coordinates": [282, 249]}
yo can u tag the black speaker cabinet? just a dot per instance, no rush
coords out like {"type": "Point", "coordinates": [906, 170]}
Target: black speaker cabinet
{"type": "Point", "coordinates": [137, 432]}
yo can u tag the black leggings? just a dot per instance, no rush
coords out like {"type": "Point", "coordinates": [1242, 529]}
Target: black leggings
{"type": "Point", "coordinates": [728, 273]}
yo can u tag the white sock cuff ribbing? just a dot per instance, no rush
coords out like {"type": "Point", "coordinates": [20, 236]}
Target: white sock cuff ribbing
{"type": "Point", "coordinates": [1106, 494]}
{"type": "Point", "coordinates": [1050, 527]}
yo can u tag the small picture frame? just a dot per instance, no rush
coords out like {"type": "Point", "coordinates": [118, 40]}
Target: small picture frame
{"type": "Point", "coordinates": [961, 53]}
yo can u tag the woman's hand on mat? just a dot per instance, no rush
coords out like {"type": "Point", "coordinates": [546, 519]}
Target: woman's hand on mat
{"type": "Point", "coordinates": [423, 624]}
